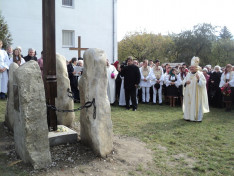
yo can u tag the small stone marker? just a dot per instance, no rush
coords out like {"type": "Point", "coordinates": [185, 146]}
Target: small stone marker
{"type": "Point", "coordinates": [63, 135]}
{"type": "Point", "coordinates": [63, 101]}
{"type": "Point", "coordinates": [9, 116]}
{"type": "Point", "coordinates": [30, 126]}
{"type": "Point", "coordinates": [98, 132]}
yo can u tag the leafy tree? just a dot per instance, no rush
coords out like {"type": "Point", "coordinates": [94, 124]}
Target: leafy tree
{"type": "Point", "coordinates": [225, 34]}
{"type": "Point", "coordinates": [5, 35]}
{"type": "Point", "coordinates": [146, 46]}
{"type": "Point", "coordinates": [196, 42]}
{"type": "Point", "coordinates": [223, 52]}
{"type": "Point", "coordinates": [201, 41]}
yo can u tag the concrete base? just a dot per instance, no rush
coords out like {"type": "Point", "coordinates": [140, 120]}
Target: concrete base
{"type": "Point", "coordinates": [62, 137]}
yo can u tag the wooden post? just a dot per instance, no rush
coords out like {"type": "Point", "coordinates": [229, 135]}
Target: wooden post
{"type": "Point", "coordinates": [49, 55]}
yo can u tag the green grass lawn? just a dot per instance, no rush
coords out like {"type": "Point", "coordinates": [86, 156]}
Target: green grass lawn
{"type": "Point", "coordinates": [179, 147]}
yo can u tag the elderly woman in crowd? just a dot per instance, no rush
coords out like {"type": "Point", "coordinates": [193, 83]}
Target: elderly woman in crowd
{"type": "Point", "coordinates": [227, 86]}
{"type": "Point", "coordinates": [214, 93]}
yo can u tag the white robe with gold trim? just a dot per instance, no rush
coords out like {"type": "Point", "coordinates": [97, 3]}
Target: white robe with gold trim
{"type": "Point", "coordinates": [195, 97]}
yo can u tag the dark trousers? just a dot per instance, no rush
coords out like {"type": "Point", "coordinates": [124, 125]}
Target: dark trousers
{"type": "Point", "coordinates": [74, 89]}
{"type": "Point", "coordinates": [131, 93]}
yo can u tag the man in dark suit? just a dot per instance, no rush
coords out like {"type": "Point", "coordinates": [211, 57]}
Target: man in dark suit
{"type": "Point", "coordinates": [131, 74]}
{"type": "Point", "coordinates": [73, 79]}
{"type": "Point", "coordinates": [31, 55]}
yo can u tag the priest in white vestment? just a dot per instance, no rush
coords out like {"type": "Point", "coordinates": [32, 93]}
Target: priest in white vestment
{"type": "Point", "coordinates": [4, 66]}
{"type": "Point", "coordinates": [111, 76]}
{"type": "Point", "coordinates": [195, 102]}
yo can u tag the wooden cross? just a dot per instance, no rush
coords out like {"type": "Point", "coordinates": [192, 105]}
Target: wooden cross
{"type": "Point", "coordinates": [79, 47]}
{"type": "Point", "coordinates": [49, 55]}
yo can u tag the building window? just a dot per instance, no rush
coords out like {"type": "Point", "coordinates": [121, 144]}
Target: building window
{"type": "Point", "coordinates": [68, 38]}
{"type": "Point", "coordinates": [68, 3]}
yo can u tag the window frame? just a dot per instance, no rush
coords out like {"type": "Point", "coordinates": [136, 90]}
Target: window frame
{"type": "Point", "coordinates": [68, 6]}
{"type": "Point", "coordinates": [73, 38]}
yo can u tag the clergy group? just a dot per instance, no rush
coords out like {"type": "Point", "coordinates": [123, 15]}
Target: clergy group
{"type": "Point", "coordinates": [192, 87]}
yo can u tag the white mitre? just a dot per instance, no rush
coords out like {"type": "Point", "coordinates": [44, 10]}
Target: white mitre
{"type": "Point", "coordinates": [195, 61]}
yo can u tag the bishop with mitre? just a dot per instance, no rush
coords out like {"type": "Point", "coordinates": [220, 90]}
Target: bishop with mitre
{"type": "Point", "coordinates": [195, 102]}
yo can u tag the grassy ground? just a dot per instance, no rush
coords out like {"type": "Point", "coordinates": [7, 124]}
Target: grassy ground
{"type": "Point", "coordinates": [180, 147]}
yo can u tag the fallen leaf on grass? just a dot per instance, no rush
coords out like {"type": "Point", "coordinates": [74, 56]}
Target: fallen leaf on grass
{"type": "Point", "coordinates": [13, 163]}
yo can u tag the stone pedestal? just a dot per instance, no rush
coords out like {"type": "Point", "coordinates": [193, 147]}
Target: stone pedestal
{"type": "Point", "coordinates": [30, 126]}
{"type": "Point", "coordinates": [63, 136]}
{"type": "Point", "coordinates": [97, 133]}
{"type": "Point", "coordinates": [9, 116]}
{"type": "Point", "coordinates": [63, 101]}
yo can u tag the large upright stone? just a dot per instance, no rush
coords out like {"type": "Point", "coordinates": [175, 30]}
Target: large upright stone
{"type": "Point", "coordinates": [30, 126]}
{"type": "Point", "coordinates": [97, 133]}
{"type": "Point", "coordinates": [63, 101]}
{"type": "Point", "coordinates": [9, 116]}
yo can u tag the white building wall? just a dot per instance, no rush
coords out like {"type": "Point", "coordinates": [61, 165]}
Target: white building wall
{"type": "Point", "coordinates": [25, 25]}
{"type": "Point", "coordinates": [93, 20]}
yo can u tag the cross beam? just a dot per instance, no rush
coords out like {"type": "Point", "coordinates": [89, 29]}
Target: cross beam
{"type": "Point", "coordinates": [79, 47]}
{"type": "Point", "coordinates": [49, 55]}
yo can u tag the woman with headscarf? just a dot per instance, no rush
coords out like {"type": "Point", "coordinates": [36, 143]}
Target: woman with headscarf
{"type": "Point", "coordinates": [172, 82]}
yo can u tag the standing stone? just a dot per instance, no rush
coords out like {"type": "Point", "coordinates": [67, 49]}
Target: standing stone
{"type": "Point", "coordinates": [97, 133]}
{"type": "Point", "coordinates": [30, 126]}
{"type": "Point", "coordinates": [63, 101]}
{"type": "Point", "coordinates": [9, 116]}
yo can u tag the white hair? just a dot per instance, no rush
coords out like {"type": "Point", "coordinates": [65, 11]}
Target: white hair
{"type": "Point", "coordinates": [208, 66]}
{"type": "Point", "coordinates": [31, 49]}
{"type": "Point", "coordinates": [80, 61]}
{"type": "Point", "coordinates": [218, 67]}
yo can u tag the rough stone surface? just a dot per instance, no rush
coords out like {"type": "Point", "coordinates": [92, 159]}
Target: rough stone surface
{"type": "Point", "coordinates": [30, 126]}
{"type": "Point", "coordinates": [63, 101]}
{"type": "Point", "coordinates": [9, 116]}
{"type": "Point", "coordinates": [97, 133]}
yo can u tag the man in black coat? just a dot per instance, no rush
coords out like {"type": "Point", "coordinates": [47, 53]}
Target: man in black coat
{"type": "Point", "coordinates": [73, 79]}
{"type": "Point", "coordinates": [131, 74]}
{"type": "Point", "coordinates": [31, 55]}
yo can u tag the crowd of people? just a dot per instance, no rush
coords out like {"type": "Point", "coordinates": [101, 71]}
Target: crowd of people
{"type": "Point", "coordinates": [9, 56]}
{"type": "Point", "coordinates": [133, 82]}
{"type": "Point", "coordinates": [156, 83]}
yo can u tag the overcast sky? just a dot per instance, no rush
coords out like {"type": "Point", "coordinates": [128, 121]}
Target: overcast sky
{"type": "Point", "coordinates": [163, 16]}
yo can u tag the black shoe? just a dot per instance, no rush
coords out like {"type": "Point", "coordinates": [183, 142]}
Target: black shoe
{"type": "Point", "coordinates": [154, 104]}
{"type": "Point", "coordinates": [160, 104]}
{"type": "Point", "coordinates": [127, 108]}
